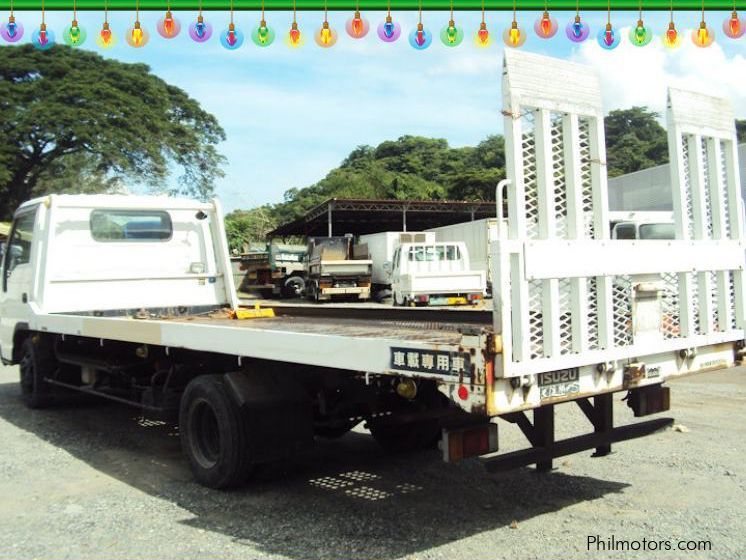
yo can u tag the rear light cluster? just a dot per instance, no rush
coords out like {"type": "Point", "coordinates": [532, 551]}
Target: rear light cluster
{"type": "Point", "coordinates": [469, 442]}
{"type": "Point", "coordinates": [475, 297]}
{"type": "Point", "coordinates": [422, 299]}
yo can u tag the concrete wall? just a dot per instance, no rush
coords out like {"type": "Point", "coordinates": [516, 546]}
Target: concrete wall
{"type": "Point", "coordinates": [650, 189]}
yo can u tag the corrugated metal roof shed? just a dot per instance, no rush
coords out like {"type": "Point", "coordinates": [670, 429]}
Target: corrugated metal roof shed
{"type": "Point", "coordinates": [339, 216]}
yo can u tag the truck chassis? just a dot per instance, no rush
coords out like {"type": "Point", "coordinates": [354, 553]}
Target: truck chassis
{"type": "Point", "coordinates": [577, 316]}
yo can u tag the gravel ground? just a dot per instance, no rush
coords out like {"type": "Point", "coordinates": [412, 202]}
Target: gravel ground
{"type": "Point", "coordinates": [98, 482]}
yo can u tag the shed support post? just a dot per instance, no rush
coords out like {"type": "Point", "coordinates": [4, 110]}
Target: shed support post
{"type": "Point", "coordinates": [329, 220]}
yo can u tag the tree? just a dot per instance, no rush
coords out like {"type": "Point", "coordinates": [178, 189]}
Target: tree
{"type": "Point", "coordinates": [72, 120]}
{"type": "Point", "coordinates": [244, 227]}
{"type": "Point", "coordinates": [634, 140]}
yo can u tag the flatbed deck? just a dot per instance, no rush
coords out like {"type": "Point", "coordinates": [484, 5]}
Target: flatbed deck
{"type": "Point", "coordinates": [432, 332]}
{"type": "Point", "coordinates": [356, 340]}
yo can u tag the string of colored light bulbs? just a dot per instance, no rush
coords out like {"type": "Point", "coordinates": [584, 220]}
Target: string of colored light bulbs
{"type": "Point", "coordinates": [358, 26]}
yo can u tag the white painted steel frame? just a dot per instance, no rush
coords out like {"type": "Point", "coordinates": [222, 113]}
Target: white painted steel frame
{"type": "Point", "coordinates": [546, 253]}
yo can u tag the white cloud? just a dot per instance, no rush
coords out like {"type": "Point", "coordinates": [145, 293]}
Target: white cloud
{"type": "Point", "coordinates": [640, 76]}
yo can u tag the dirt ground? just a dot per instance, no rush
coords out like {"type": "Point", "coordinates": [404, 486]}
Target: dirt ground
{"type": "Point", "coordinates": [97, 481]}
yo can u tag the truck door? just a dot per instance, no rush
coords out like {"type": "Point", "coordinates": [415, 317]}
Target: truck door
{"type": "Point", "coordinates": [396, 270]}
{"type": "Point", "coordinates": [17, 277]}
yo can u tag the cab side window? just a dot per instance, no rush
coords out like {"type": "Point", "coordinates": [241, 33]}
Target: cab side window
{"type": "Point", "coordinates": [625, 231]}
{"type": "Point", "coordinates": [18, 250]}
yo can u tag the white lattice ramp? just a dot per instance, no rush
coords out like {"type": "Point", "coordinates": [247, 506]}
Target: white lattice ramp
{"type": "Point", "coordinates": [567, 294]}
{"type": "Point", "coordinates": [707, 209]}
{"type": "Point", "coordinates": [691, 109]}
{"type": "Point", "coordinates": [544, 82]}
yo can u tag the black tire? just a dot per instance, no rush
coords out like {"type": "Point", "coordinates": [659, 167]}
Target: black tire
{"type": "Point", "coordinates": [214, 434]}
{"type": "Point", "coordinates": [38, 362]}
{"type": "Point", "coordinates": [294, 287]}
{"type": "Point", "coordinates": [410, 436]}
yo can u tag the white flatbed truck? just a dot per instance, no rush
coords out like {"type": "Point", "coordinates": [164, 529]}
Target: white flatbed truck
{"type": "Point", "coordinates": [131, 299]}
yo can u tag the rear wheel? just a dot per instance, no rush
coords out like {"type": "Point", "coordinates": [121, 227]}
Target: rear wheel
{"type": "Point", "coordinates": [214, 435]}
{"type": "Point", "coordinates": [38, 362]}
{"type": "Point", "coordinates": [294, 286]}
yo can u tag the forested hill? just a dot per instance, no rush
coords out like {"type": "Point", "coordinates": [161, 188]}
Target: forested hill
{"type": "Point", "coordinates": [418, 168]}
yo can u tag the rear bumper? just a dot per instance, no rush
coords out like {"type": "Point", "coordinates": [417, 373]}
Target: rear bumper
{"type": "Point", "coordinates": [361, 292]}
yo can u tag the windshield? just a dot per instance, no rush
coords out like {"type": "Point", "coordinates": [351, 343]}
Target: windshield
{"type": "Point", "coordinates": [657, 231]}
{"type": "Point", "coordinates": [432, 253]}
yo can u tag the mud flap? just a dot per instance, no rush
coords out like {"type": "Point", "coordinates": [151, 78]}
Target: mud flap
{"type": "Point", "coordinates": [278, 413]}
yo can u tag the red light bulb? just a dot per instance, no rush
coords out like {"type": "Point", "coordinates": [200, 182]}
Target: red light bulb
{"type": "Point", "coordinates": [357, 24]}
{"type": "Point", "coordinates": [483, 35]}
{"type": "Point", "coordinates": [420, 37]}
{"type": "Point", "coordinates": [671, 33]}
{"type": "Point", "coordinates": [546, 24]}
{"type": "Point", "coordinates": [106, 34]}
{"type": "Point", "coordinates": [168, 23]}
{"type": "Point", "coordinates": [735, 25]}
{"type": "Point", "coordinates": [294, 34]}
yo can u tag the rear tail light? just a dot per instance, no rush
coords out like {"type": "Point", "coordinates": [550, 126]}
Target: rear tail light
{"type": "Point", "coordinates": [422, 299]}
{"type": "Point", "coordinates": [474, 297]}
{"type": "Point", "coordinates": [469, 442]}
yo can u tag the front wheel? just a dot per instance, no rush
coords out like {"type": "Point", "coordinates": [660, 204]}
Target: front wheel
{"type": "Point", "coordinates": [398, 299]}
{"type": "Point", "coordinates": [214, 434]}
{"type": "Point", "coordinates": [38, 362]}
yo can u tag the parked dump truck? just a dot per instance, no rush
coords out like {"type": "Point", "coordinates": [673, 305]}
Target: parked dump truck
{"type": "Point", "coordinates": [277, 270]}
{"type": "Point", "coordinates": [417, 270]}
{"type": "Point", "coordinates": [334, 270]}
{"type": "Point", "coordinates": [131, 299]}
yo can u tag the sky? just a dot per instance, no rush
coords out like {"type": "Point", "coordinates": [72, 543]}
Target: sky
{"type": "Point", "coordinates": [292, 115]}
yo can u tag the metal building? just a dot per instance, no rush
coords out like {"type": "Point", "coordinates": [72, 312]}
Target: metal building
{"type": "Point", "coordinates": [650, 189]}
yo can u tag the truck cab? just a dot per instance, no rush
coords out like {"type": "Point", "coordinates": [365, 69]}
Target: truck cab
{"type": "Point", "coordinates": [435, 274]}
{"type": "Point", "coordinates": [642, 225]}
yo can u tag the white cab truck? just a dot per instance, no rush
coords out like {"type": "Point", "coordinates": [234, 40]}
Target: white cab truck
{"type": "Point", "coordinates": [642, 225]}
{"type": "Point", "coordinates": [420, 271]}
{"type": "Point", "coordinates": [131, 299]}
{"type": "Point", "coordinates": [478, 236]}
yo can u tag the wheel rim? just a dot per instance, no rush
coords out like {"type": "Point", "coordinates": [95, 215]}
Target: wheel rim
{"type": "Point", "coordinates": [205, 434]}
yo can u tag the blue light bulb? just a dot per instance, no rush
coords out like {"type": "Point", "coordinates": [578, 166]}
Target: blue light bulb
{"type": "Point", "coordinates": [388, 29]}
